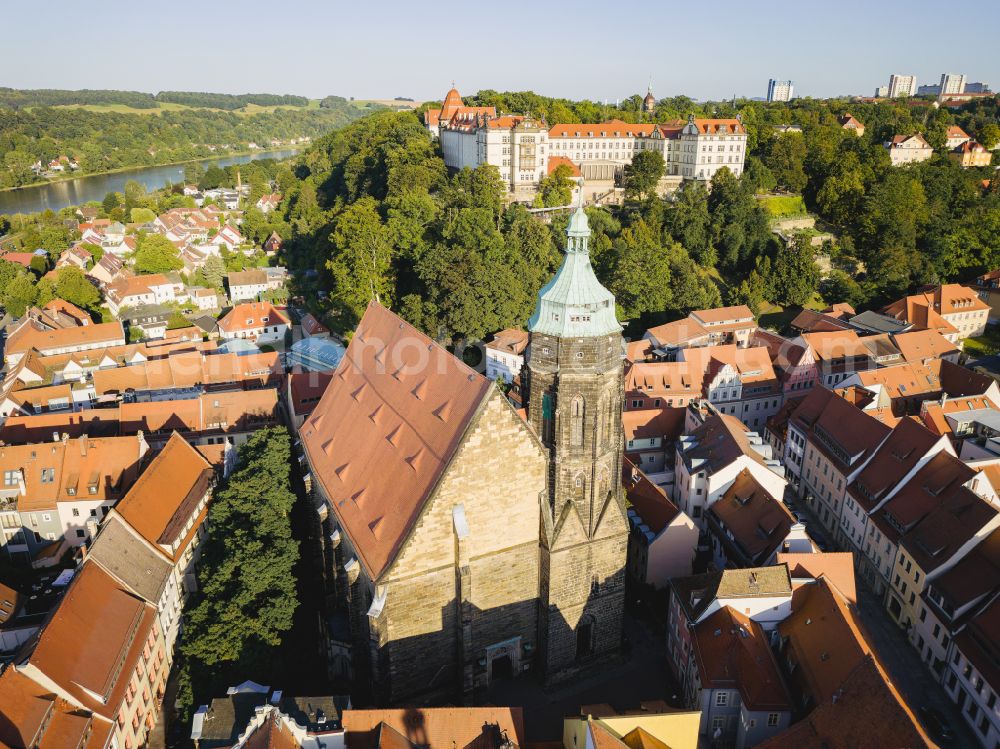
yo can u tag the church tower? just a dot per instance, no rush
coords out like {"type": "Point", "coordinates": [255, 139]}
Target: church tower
{"type": "Point", "coordinates": [575, 386]}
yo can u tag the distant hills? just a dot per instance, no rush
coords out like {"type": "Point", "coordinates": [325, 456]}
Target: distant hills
{"type": "Point", "coordinates": [51, 97]}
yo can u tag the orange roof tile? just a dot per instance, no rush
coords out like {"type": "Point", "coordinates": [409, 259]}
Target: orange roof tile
{"type": "Point", "coordinates": [837, 567]}
{"type": "Point", "coordinates": [824, 639]}
{"type": "Point", "coordinates": [869, 714]}
{"type": "Point", "coordinates": [85, 468]}
{"type": "Point", "coordinates": [647, 499]}
{"type": "Point", "coordinates": [557, 161]}
{"type": "Point", "coordinates": [251, 316]}
{"type": "Point", "coordinates": [435, 727]}
{"type": "Point", "coordinates": [758, 522]}
{"type": "Point", "coordinates": [733, 652]}
{"type": "Point", "coordinates": [164, 498]}
{"type": "Point", "coordinates": [610, 129]}
{"type": "Point", "coordinates": [31, 335]}
{"type": "Point", "coordinates": [398, 403]}
{"type": "Point", "coordinates": [91, 644]}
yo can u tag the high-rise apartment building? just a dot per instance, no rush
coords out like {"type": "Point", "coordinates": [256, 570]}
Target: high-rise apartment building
{"type": "Point", "coordinates": [780, 90]}
{"type": "Point", "coordinates": [902, 85]}
{"type": "Point", "coordinates": [952, 83]}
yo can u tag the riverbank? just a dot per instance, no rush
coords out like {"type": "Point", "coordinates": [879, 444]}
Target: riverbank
{"type": "Point", "coordinates": [77, 175]}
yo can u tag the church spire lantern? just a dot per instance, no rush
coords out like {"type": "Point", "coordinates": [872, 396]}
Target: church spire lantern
{"type": "Point", "coordinates": [574, 304]}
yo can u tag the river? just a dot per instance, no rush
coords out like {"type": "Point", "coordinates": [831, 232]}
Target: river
{"type": "Point", "coordinates": [57, 195]}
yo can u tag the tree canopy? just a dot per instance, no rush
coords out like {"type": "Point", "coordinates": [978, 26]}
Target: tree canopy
{"type": "Point", "coordinates": [246, 597]}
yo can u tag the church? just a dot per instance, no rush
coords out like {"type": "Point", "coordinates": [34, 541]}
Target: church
{"type": "Point", "coordinates": [466, 542]}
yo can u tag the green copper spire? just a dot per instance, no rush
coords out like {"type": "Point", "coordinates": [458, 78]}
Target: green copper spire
{"type": "Point", "coordinates": [574, 304]}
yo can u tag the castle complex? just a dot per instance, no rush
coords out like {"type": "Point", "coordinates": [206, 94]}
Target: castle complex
{"type": "Point", "coordinates": [466, 543]}
{"type": "Point", "coordinates": [525, 149]}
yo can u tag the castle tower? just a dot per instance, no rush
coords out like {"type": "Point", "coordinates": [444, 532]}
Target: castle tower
{"type": "Point", "coordinates": [649, 101]}
{"type": "Point", "coordinates": [575, 391]}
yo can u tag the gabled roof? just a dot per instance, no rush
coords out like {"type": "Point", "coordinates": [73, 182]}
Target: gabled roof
{"type": "Point", "coordinates": [921, 345]}
{"type": "Point", "coordinates": [905, 446]}
{"type": "Point", "coordinates": [869, 713]}
{"type": "Point", "coordinates": [119, 550]}
{"type": "Point", "coordinates": [846, 432]}
{"type": "Point", "coordinates": [397, 407]}
{"type": "Point", "coordinates": [251, 316]}
{"type": "Point", "coordinates": [811, 321]}
{"type": "Point", "coordinates": [979, 641]}
{"type": "Point", "coordinates": [164, 498]}
{"type": "Point", "coordinates": [665, 423]}
{"type": "Point", "coordinates": [733, 652]}
{"type": "Point", "coordinates": [509, 341]}
{"type": "Point", "coordinates": [722, 316]}
{"type": "Point", "coordinates": [434, 727]}
{"type": "Point", "coordinates": [696, 592]}
{"type": "Point", "coordinates": [31, 335]}
{"type": "Point", "coordinates": [824, 638]}
{"type": "Point", "coordinates": [956, 514]}
{"type": "Point", "coordinates": [836, 566]}
{"type": "Point", "coordinates": [717, 443]}
{"type": "Point", "coordinates": [678, 332]}
{"type": "Point", "coordinates": [748, 516]}
{"type": "Point", "coordinates": [81, 469]}
{"type": "Point", "coordinates": [648, 500]}
{"type": "Point", "coordinates": [974, 576]}
{"type": "Point", "coordinates": [91, 644]}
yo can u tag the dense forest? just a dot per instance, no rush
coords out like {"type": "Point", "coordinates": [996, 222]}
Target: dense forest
{"type": "Point", "coordinates": [105, 140]}
{"type": "Point", "coordinates": [375, 211]}
{"type": "Point", "coordinates": [49, 97]}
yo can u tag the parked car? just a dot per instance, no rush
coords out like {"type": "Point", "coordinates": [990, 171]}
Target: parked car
{"type": "Point", "coordinates": [937, 725]}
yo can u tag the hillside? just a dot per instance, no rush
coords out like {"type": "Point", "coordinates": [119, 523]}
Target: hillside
{"type": "Point", "coordinates": [106, 130]}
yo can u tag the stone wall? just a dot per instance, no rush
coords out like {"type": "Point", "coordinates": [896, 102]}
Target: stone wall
{"type": "Point", "coordinates": [451, 594]}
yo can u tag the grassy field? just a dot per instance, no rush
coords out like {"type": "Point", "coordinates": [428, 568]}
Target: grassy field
{"type": "Point", "coordinates": [776, 317]}
{"type": "Point", "coordinates": [988, 344]}
{"type": "Point", "coordinates": [166, 106]}
{"type": "Point", "coordinates": [783, 206]}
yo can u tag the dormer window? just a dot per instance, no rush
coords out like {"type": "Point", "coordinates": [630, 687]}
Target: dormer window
{"type": "Point", "coordinates": [48, 475]}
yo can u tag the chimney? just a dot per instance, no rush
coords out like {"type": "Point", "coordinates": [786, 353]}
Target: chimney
{"type": "Point", "coordinates": [83, 445]}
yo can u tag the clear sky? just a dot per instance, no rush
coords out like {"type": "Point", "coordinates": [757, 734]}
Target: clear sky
{"type": "Point", "coordinates": [585, 49]}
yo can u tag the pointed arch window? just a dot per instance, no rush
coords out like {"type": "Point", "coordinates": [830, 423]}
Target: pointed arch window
{"type": "Point", "coordinates": [577, 410]}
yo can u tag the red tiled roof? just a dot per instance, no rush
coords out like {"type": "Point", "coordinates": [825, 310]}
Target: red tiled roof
{"type": "Point", "coordinates": [558, 161]}
{"type": "Point", "coordinates": [837, 567]}
{"type": "Point", "coordinates": [647, 499]}
{"type": "Point", "coordinates": [397, 406]}
{"type": "Point", "coordinates": [869, 714]}
{"type": "Point", "coordinates": [434, 727]}
{"type": "Point", "coordinates": [733, 652]}
{"type": "Point", "coordinates": [252, 316]}
{"type": "Point", "coordinates": [757, 521]}
{"type": "Point", "coordinates": [160, 503]}
{"type": "Point", "coordinates": [93, 641]}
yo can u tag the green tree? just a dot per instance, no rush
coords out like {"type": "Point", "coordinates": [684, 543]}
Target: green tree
{"type": "Point", "coordinates": [73, 286]}
{"type": "Point", "coordinates": [212, 178]}
{"type": "Point", "coordinates": [751, 291]}
{"type": "Point", "coordinates": [989, 135]}
{"type": "Point", "coordinates": [111, 201]}
{"type": "Point", "coordinates": [641, 277]}
{"type": "Point", "coordinates": [643, 174]}
{"type": "Point", "coordinates": [142, 215]}
{"type": "Point", "coordinates": [361, 263]}
{"type": "Point", "coordinates": [247, 596]}
{"type": "Point", "coordinates": [785, 158]}
{"type": "Point", "coordinates": [689, 222]}
{"type": "Point", "coordinates": [19, 294]}
{"type": "Point", "coordinates": [193, 173]}
{"type": "Point", "coordinates": [556, 189]}
{"type": "Point", "coordinates": [214, 271]}
{"type": "Point", "coordinates": [795, 275]}
{"type": "Point", "coordinates": [156, 254]}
